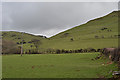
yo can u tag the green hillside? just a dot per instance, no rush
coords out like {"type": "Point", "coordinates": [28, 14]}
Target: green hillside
{"type": "Point", "coordinates": [98, 33]}
{"type": "Point", "coordinates": [18, 37]}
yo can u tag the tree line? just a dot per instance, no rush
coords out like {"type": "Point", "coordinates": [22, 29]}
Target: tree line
{"type": "Point", "coordinates": [10, 47]}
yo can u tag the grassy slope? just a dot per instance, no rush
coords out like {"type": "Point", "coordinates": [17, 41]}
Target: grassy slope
{"type": "Point", "coordinates": [55, 66]}
{"type": "Point", "coordinates": [9, 35]}
{"type": "Point", "coordinates": [83, 35]}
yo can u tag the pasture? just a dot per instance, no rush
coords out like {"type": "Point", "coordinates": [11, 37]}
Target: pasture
{"type": "Point", "coordinates": [75, 65]}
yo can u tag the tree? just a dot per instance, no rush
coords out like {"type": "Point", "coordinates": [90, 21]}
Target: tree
{"type": "Point", "coordinates": [36, 43]}
{"type": "Point", "coordinates": [9, 47]}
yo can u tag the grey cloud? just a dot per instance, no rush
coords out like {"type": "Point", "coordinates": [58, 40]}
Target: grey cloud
{"type": "Point", "coordinates": [49, 18]}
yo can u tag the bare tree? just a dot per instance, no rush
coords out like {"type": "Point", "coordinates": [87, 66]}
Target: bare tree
{"type": "Point", "coordinates": [9, 47]}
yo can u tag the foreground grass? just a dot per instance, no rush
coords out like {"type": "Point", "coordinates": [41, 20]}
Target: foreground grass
{"type": "Point", "coordinates": [55, 66]}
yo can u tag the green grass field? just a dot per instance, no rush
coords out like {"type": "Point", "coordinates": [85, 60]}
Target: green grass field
{"type": "Point", "coordinates": [72, 65]}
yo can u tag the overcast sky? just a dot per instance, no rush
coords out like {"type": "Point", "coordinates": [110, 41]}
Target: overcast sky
{"type": "Point", "coordinates": [50, 18]}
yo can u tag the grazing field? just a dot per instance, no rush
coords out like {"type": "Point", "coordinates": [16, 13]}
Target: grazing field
{"type": "Point", "coordinates": [72, 65]}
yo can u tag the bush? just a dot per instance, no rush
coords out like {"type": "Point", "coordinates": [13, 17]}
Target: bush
{"type": "Point", "coordinates": [96, 37]}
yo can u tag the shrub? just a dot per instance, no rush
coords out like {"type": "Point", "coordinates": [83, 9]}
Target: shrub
{"type": "Point", "coordinates": [71, 39]}
{"type": "Point", "coordinates": [96, 37]}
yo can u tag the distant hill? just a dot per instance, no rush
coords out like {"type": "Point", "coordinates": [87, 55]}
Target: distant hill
{"type": "Point", "coordinates": [18, 37]}
{"type": "Point", "coordinates": [98, 33]}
